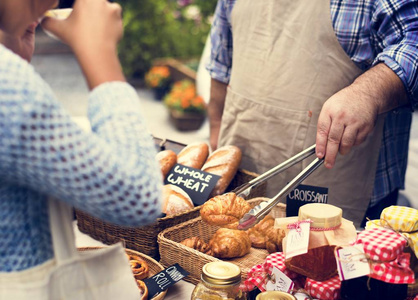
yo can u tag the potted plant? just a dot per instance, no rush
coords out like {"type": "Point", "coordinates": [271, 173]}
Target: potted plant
{"type": "Point", "coordinates": [187, 109]}
{"type": "Point", "coordinates": [158, 78]}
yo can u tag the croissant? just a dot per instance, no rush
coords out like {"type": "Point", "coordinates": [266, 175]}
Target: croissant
{"type": "Point", "coordinates": [265, 236]}
{"type": "Point", "coordinates": [230, 243]}
{"type": "Point", "coordinates": [274, 239]}
{"type": "Point", "coordinates": [224, 210]}
{"type": "Point", "coordinates": [197, 243]}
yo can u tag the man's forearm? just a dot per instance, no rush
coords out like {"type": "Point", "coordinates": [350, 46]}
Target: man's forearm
{"type": "Point", "coordinates": [382, 86]}
{"type": "Point", "coordinates": [215, 109]}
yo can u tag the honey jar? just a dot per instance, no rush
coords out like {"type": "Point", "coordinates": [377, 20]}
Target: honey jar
{"type": "Point", "coordinates": [219, 281]}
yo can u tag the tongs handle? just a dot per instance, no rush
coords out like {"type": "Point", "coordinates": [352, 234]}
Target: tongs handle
{"type": "Point", "coordinates": [260, 211]}
{"type": "Point", "coordinates": [244, 189]}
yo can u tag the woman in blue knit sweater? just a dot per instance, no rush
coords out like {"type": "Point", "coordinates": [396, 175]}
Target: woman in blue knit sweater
{"type": "Point", "coordinates": [110, 173]}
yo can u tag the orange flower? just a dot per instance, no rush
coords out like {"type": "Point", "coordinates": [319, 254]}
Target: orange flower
{"type": "Point", "coordinates": [183, 98]}
{"type": "Point", "coordinates": [158, 76]}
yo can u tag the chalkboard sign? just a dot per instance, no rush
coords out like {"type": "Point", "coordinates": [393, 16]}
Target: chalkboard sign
{"type": "Point", "coordinates": [304, 194]}
{"type": "Point", "coordinates": [196, 183]}
{"type": "Point", "coordinates": [164, 279]}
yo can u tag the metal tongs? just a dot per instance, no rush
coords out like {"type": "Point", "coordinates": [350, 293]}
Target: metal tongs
{"type": "Point", "coordinates": [256, 214]}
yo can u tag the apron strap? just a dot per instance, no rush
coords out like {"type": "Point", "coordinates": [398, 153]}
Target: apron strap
{"type": "Point", "coordinates": [62, 233]}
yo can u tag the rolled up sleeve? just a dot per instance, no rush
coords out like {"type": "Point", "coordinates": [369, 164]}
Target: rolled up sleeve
{"type": "Point", "coordinates": [220, 62]}
{"type": "Point", "coordinates": [395, 31]}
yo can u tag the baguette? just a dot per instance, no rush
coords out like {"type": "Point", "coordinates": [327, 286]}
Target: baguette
{"type": "Point", "coordinates": [223, 162]}
{"type": "Point", "coordinates": [167, 159]}
{"type": "Point", "coordinates": [175, 200]}
{"type": "Point", "coordinates": [193, 155]}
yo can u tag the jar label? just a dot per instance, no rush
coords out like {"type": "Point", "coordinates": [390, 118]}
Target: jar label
{"type": "Point", "coordinates": [352, 262]}
{"type": "Point", "coordinates": [297, 239]}
{"type": "Point", "coordinates": [279, 282]}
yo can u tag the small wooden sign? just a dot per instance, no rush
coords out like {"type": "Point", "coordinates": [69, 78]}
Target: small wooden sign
{"type": "Point", "coordinates": [304, 194]}
{"type": "Point", "coordinates": [164, 279]}
{"type": "Point", "coordinates": [196, 183]}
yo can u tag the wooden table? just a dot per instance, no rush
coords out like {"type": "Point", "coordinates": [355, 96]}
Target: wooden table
{"type": "Point", "coordinates": [181, 290]}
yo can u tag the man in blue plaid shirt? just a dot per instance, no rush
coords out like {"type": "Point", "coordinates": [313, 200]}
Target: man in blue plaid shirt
{"type": "Point", "coordinates": [280, 57]}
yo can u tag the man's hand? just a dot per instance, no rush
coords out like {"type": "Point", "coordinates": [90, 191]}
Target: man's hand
{"type": "Point", "coordinates": [350, 115]}
{"type": "Point", "coordinates": [23, 46]}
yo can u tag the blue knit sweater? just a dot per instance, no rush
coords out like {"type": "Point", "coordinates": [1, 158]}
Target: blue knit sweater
{"type": "Point", "coordinates": [111, 173]}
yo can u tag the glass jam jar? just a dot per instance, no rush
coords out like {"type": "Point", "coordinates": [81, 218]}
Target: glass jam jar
{"type": "Point", "coordinates": [220, 281]}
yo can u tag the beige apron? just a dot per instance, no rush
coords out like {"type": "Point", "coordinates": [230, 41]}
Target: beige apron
{"type": "Point", "coordinates": [287, 62]}
{"type": "Point", "coordinates": [72, 275]}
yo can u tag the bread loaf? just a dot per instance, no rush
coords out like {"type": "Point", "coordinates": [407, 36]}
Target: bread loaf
{"type": "Point", "coordinates": [229, 243]}
{"type": "Point", "coordinates": [167, 159]}
{"type": "Point", "coordinates": [224, 210]}
{"type": "Point", "coordinates": [175, 200]}
{"type": "Point", "coordinates": [223, 162]}
{"type": "Point", "coordinates": [193, 155]}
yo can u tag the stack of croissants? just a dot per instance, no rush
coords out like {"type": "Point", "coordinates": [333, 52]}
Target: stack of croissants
{"type": "Point", "coordinates": [225, 211]}
{"type": "Point", "coordinates": [223, 162]}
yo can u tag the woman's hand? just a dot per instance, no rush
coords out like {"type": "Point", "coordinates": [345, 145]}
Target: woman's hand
{"type": "Point", "coordinates": [93, 31]}
{"type": "Point", "coordinates": [92, 25]}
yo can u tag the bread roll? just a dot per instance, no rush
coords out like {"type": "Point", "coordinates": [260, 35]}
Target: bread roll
{"type": "Point", "coordinates": [230, 243]}
{"type": "Point", "coordinates": [224, 210]}
{"type": "Point", "coordinates": [193, 155]}
{"type": "Point", "coordinates": [143, 289]}
{"type": "Point", "coordinates": [139, 267]}
{"type": "Point", "coordinates": [167, 160]}
{"type": "Point", "coordinates": [223, 162]}
{"type": "Point", "coordinates": [175, 200]}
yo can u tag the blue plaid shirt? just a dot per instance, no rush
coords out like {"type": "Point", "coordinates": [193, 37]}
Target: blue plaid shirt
{"type": "Point", "coordinates": [110, 173]}
{"type": "Point", "coordinates": [370, 31]}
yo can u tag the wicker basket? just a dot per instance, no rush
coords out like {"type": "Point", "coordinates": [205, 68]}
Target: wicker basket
{"type": "Point", "coordinates": [171, 251]}
{"type": "Point", "coordinates": [154, 266]}
{"type": "Point", "coordinates": [144, 239]}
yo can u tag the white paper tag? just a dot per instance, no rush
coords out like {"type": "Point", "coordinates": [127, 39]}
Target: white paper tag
{"type": "Point", "coordinates": [279, 282]}
{"type": "Point", "coordinates": [297, 240]}
{"type": "Point", "coordinates": [351, 262]}
{"type": "Point", "coordinates": [301, 296]}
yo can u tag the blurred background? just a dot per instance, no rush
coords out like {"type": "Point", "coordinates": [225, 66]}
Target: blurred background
{"type": "Point", "coordinates": [163, 53]}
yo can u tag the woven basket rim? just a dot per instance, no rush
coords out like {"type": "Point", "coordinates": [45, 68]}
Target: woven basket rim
{"type": "Point", "coordinates": [170, 246]}
{"type": "Point", "coordinates": [147, 258]}
{"type": "Point", "coordinates": [191, 221]}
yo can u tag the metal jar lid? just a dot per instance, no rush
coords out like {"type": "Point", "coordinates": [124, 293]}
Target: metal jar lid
{"type": "Point", "coordinates": [221, 273]}
{"type": "Point", "coordinates": [275, 295]}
